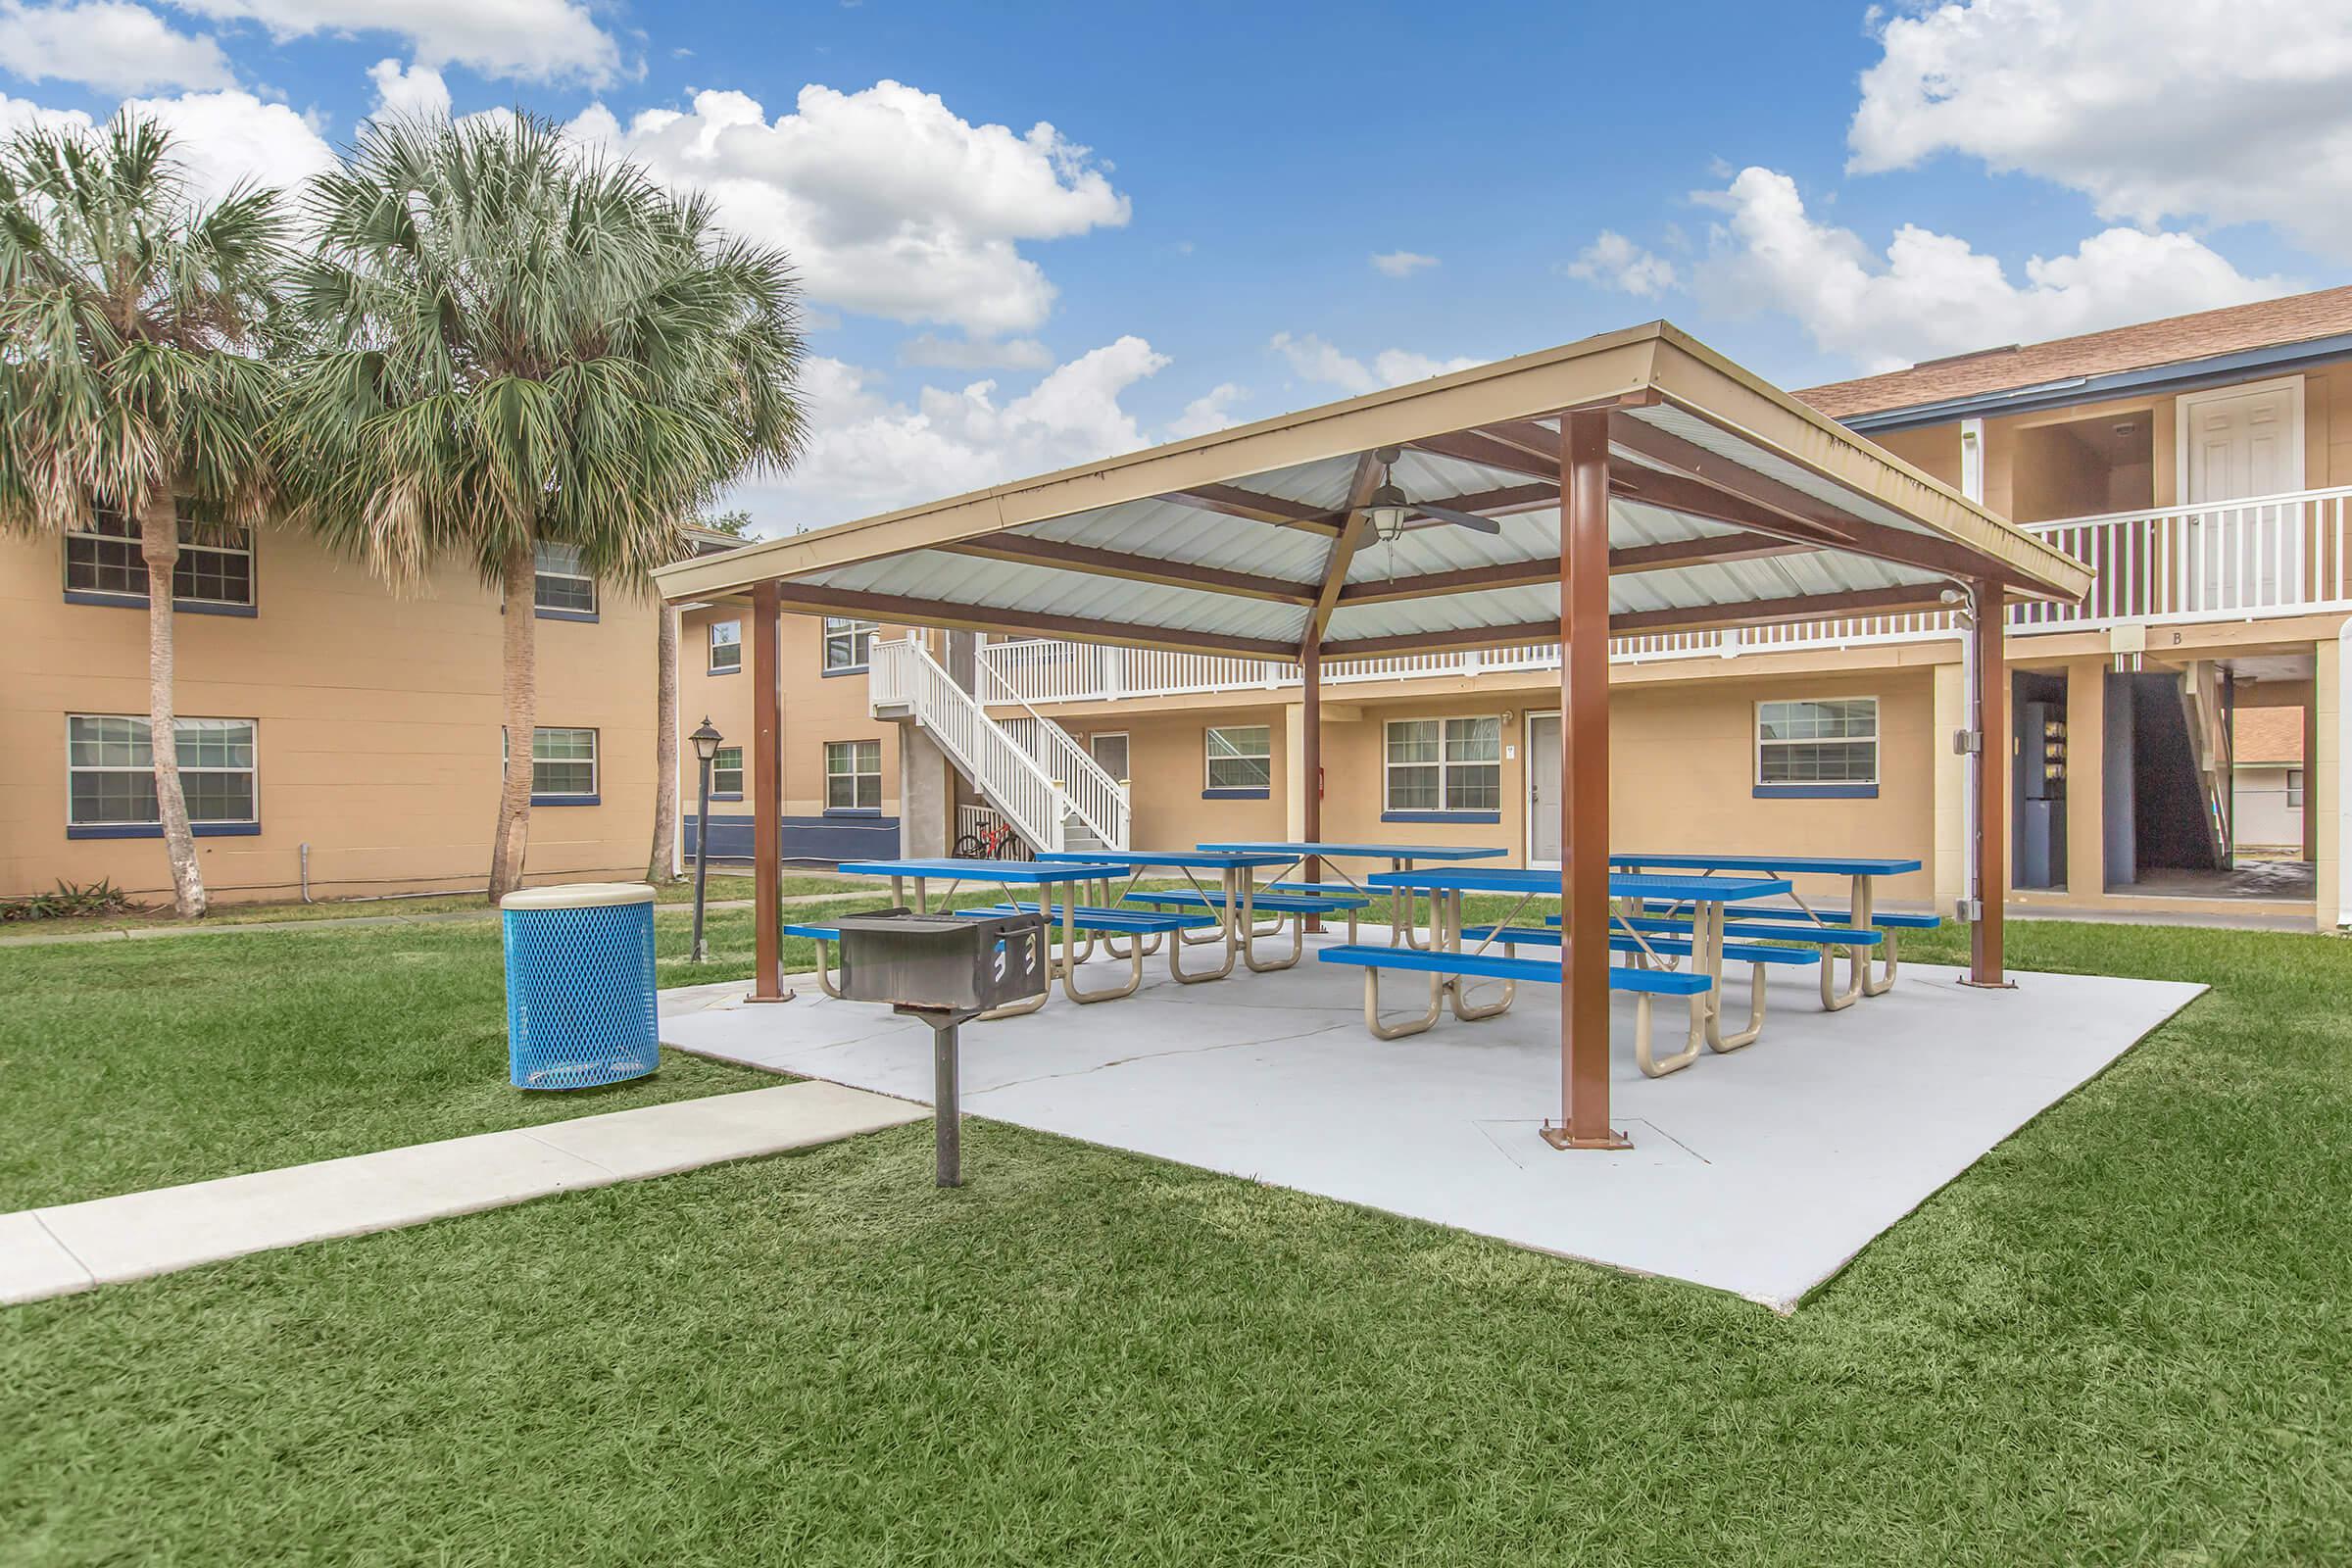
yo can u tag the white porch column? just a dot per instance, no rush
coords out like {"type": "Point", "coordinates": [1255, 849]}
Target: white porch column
{"type": "Point", "coordinates": [2325, 781]}
{"type": "Point", "coordinates": [1950, 771]}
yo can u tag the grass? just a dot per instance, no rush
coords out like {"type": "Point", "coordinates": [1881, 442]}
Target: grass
{"type": "Point", "coordinates": [722, 889]}
{"type": "Point", "coordinates": [138, 1065]}
{"type": "Point", "coordinates": [2122, 1338]}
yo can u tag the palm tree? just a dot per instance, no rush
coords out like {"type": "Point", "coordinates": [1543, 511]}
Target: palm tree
{"type": "Point", "coordinates": [515, 342]}
{"type": "Point", "coordinates": [131, 320]}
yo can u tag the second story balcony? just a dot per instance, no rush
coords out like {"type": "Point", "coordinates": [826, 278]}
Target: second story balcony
{"type": "Point", "coordinates": [2257, 558]}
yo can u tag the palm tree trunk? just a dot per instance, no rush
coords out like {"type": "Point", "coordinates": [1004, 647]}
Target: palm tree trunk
{"type": "Point", "coordinates": [521, 683]}
{"type": "Point", "coordinates": [660, 866]}
{"type": "Point", "coordinates": [159, 546]}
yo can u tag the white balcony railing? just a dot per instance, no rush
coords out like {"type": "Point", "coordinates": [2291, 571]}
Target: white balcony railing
{"type": "Point", "coordinates": [2266, 556]}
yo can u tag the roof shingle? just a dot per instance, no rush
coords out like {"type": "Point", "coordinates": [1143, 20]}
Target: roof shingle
{"type": "Point", "coordinates": [2294, 320]}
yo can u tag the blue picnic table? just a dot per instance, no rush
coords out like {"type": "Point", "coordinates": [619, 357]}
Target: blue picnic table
{"type": "Point", "coordinates": [1706, 896]}
{"type": "Point", "coordinates": [1403, 915]}
{"type": "Point", "coordinates": [1861, 872]}
{"type": "Point", "coordinates": [1233, 902]}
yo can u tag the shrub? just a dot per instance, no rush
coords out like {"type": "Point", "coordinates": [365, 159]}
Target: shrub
{"type": "Point", "coordinates": [69, 900]}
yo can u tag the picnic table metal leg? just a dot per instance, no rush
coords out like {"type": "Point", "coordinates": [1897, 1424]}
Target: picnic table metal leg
{"type": "Point", "coordinates": [1644, 1057]}
{"type": "Point", "coordinates": [1298, 924]}
{"type": "Point", "coordinates": [1405, 914]}
{"type": "Point", "coordinates": [1452, 942]}
{"type": "Point", "coordinates": [826, 980]}
{"type": "Point", "coordinates": [1224, 930]}
{"type": "Point", "coordinates": [1717, 1040]}
{"type": "Point", "coordinates": [1382, 1031]}
{"type": "Point", "coordinates": [1070, 961]}
{"type": "Point", "coordinates": [1872, 984]}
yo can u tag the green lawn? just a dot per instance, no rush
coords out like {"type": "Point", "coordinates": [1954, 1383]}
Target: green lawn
{"type": "Point", "coordinates": [2121, 1339]}
{"type": "Point", "coordinates": [722, 888]}
{"type": "Point", "coordinates": [134, 1064]}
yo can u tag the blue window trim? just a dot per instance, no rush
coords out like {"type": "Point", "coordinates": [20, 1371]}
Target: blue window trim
{"type": "Point", "coordinates": [1815, 791]}
{"type": "Point", "coordinates": [868, 811]}
{"type": "Point", "coordinates": [155, 830]}
{"type": "Point", "coordinates": [727, 795]}
{"type": "Point", "coordinates": [567, 800]}
{"type": "Point", "coordinates": [587, 616]}
{"type": "Point", "coordinates": [1473, 818]}
{"type": "Point", "coordinates": [846, 670]}
{"type": "Point", "coordinates": [731, 670]}
{"type": "Point", "coordinates": [1238, 793]}
{"type": "Point", "coordinates": [179, 606]}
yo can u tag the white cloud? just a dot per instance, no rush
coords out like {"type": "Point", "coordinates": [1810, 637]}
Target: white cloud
{"type": "Point", "coordinates": [1932, 294]}
{"type": "Point", "coordinates": [415, 90]}
{"type": "Point", "coordinates": [975, 354]}
{"type": "Point", "coordinates": [542, 40]}
{"type": "Point", "coordinates": [1401, 264]}
{"type": "Point", "coordinates": [2229, 110]}
{"type": "Point", "coordinates": [889, 203]}
{"type": "Point", "coordinates": [869, 454]}
{"type": "Point", "coordinates": [1615, 261]}
{"type": "Point", "coordinates": [230, 136]}
{"type": "Point", "coordinates": [1313, 360]}
{"type": "Point", "coordinates": [1212, 409]}
{"type": "Point", "coordinates": [106, 45]}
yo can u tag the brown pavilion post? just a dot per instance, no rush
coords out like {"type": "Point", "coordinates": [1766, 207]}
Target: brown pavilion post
{"type": "Point", "coordinates": [767, 796]}
{"type": "Point", "coordinates": [1990, 764]}
{"type": "Point", "coordinates": [1585, 786]}
{"type": "Point", "coordinates": [1311, 766]}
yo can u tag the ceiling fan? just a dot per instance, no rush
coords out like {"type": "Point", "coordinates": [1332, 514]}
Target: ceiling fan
{"type": "Point", "coordinates": [1389, 509]}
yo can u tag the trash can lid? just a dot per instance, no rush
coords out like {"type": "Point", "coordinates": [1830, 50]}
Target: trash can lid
{"type": "Point", "coordinates": [579, 895]}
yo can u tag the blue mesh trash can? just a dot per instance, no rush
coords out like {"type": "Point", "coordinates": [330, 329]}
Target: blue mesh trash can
{"type": "Point", "coordinates": [580, 1007]}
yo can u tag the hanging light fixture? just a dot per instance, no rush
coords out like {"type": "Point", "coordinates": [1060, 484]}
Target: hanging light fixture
{"type": "Point", "coordinates": [1387, 507]}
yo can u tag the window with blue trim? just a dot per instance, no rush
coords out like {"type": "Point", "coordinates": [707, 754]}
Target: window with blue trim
{"type": "Point", "coordinates": [215, 567]}
{"type": "Point", "coordinates": [1241, 756]}
{"type": "Point", "coordinates": [853, 775]}
{"type": "Point", "coordinates": [1821, 741]}
{"type": "Point", "coordinates": [848, 644]}
{"type": "Point", "coordinates": [562, 583]}
{"type": "Point", "coordinates": [1445, 765]}
{"type": "Point", "coordinates": [110, 771]}
{"type": "Point", "coordinates": [726, 770]}
{"type": "Point", "coordinates": [726, 646]}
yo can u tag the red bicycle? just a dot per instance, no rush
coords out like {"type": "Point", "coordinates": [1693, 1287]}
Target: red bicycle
{"type": "Point", "coordinates": [994, 843]}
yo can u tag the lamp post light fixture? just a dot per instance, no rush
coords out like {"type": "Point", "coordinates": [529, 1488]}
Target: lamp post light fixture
{"type": "Point", "coordinates": [706, 747]}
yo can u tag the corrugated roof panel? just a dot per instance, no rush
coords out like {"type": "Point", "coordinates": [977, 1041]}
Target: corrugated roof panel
{"type": "Point", "coordinates": [983, 584]}
{"type": "Point", "coordinates": [1173, 531]}
{"type": "Point", "coordinates": [1724, 444]}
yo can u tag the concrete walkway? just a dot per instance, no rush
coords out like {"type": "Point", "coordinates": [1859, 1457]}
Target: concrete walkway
{"type": "Point", "coordinates": [73, 1247]}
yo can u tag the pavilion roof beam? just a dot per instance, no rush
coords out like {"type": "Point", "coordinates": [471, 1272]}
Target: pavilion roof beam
{"type": "Point", "coordinates": [900, 610]}
{"type": "Point", "coordinates": [1365, 480]}
{"type": "Point", "coordinates": [1096, 561]}
{"type": "Point", "coordinates": [1235, 502]}
{"type": "Point", "coordinates": [1705, 484]}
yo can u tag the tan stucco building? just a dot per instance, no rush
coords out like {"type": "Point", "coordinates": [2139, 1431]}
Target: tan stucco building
{"type": "Point", "coordinates": [327, 725]}
{"type": "Point", "coordinates": [2203, 464]}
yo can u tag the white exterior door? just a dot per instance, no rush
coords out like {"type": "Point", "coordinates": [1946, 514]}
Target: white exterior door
{"type": "Point", "coordinates": [2243, 442]}
{"type": "Point", "coordinates": [1542, 789]}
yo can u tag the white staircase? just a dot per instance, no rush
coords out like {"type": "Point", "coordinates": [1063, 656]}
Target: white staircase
{"type": "Point", "coordinates": [2207, 714]}
{"type": "Point", "coordinates": [1031, 769]}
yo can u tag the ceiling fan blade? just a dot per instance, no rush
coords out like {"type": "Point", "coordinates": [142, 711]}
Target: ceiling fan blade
{"type": "Point", "coordinates": [1460, 519]}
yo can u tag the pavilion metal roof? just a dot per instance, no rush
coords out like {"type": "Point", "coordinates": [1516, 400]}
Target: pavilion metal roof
{"type": "Point", "coordinates": [1731, 503]}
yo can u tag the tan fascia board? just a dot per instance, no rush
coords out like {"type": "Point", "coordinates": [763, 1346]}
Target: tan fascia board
{"type": "Point", "coordinates": [1597, 371]}
{"type": "Point", "coordinates": [1703, 382]}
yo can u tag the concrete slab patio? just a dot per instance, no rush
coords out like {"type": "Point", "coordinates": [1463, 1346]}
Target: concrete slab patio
{"type": "Point", "coordinates": [1760, 1172]}
{"type": "Point", "coordinates": [72, 1247]}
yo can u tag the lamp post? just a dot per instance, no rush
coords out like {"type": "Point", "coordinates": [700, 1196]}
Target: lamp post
{"type": "Point", "coordinates": [706, 747]}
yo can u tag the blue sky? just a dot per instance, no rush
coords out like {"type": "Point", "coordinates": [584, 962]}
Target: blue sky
{"type": "Point", "coordinates": [1033, 234]}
